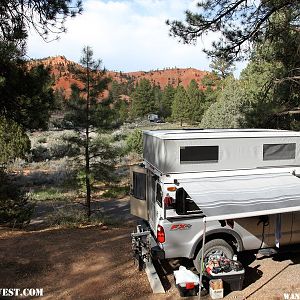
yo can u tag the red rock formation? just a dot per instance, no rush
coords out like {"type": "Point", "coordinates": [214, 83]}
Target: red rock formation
{"type": "Point", "coordinates": [62, 71]}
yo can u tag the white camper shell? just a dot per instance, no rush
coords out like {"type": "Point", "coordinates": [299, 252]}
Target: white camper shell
{"type": "Point", "coordinates": [180, 151]}
{"type": "Point", "coordinates": [218, 175]}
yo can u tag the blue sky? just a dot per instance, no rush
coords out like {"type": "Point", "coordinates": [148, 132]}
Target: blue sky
{"type": "Point", "coordinates": [128, 35]}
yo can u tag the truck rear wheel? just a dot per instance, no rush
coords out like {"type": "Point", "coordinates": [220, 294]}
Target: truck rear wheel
{"type": "Point", "coordinates": [217, 246]}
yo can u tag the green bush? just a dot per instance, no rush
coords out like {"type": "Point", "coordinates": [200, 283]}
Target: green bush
{"type": "Point", "coordinates": [14, 142]}
{"type": "Point", "coordinates": [61, 150]}
{"type": "Point", "coordinates": [76, 216]}
{"type": "Point", "coordinates": [40, 153]}
{"type": "Point", "coordinates": [68, 217]}
{"type": "Point", "coordinates": [59, 178]}
{"type": "Point", "coordinates": [55, 146]}
{"type": "Point", "coordinates": [134, 142]}
{"type": "Point", "coordinates": [50, 193]}
{"type": "Point", "coordinates": [15, 208]}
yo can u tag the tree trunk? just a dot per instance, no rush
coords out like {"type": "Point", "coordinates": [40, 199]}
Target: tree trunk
{"type": "Point", "coordinates": [87, 152]}
{"type": "Point", "coordinates": [87, 179]}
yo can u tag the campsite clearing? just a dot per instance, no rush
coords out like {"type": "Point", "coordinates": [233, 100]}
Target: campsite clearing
{"type": "Point", "coordinates": [91, 263]}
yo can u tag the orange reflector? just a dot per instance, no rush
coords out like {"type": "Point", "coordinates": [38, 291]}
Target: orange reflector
{"type": "Point", "coordinates": [172, 188]}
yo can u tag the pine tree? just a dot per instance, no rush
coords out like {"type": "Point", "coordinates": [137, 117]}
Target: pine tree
{"type": "Point", "coordinates": [180, 105]}
{"type": "Point", "coordinates": [26, 96]}
{"type": "Point", "coordinates": [227, 111]}
{"type": "Point", "coordinates": [221, 67]}
{"type": "Point", "coordinates": [167, 101]}
{"type": "Point", "coordinates": [213, 87]}
{"type": "Point", "coordinates": [45, 17]}
{"type": "Point", "coordinates": [14, 141]}
{"type": "Point", "coordinates": [121, 107]}
{"type": "Point", "coordinates": [122, 111]}
{"type": "Point", "coordinates": [196, 102]}
{"type": "Point", "coordinates": [88, 112]}
{"type": "Point", "coordinates": [256, 23]}
{"type": "Point", "coordinates": [157, 108]}
{"type": "Point", "coordinates": [142, 99]}
{"type": "Point", "coordinates": [115, 91]}
{"type": "Point", "coordinates": [15, 208]}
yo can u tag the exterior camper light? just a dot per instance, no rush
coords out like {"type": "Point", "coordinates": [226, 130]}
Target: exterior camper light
{"type": "Point", "coordinates": [168, 201]}
{"type": "Point", "coordinates": [172, 188]}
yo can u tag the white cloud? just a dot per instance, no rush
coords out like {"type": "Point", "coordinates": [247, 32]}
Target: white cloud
{"type": "Point", "coordinates": [126, 35]}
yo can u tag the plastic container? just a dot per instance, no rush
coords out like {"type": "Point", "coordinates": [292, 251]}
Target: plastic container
{"type": "Point", "coordinates": [188, 289]}
{"type": "Point", "coordinates": [232, 281]}
{"type": "Point", "coordinates": [187, 282]}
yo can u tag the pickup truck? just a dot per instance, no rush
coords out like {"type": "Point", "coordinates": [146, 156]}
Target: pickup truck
{"type": "Point", "coordinates": [189, 175]}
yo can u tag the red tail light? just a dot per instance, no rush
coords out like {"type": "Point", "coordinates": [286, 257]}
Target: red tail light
{"type": "Point", "coordinates": [168, 201]}
{"type": "Point", "coordinates": [160, 234]}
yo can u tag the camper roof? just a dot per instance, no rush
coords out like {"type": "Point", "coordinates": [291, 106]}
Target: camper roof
{"type": "Point", "coordinates": [179, 134]}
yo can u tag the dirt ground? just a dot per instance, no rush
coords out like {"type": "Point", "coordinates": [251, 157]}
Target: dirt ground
{"type": "Point", "coordinates": [84, 263]}
{"type": "Point", "coordinates": [92, 263]}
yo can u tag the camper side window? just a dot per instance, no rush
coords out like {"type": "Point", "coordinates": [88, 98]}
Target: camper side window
{"type": "Point", "coordinates": [279, 151]}
{"type": "Point", "coordinates": [139, 185]}
{"type": "Point", "coordinates": [158, 195]}
{"type": "Point", "coordinates": [199, 154]}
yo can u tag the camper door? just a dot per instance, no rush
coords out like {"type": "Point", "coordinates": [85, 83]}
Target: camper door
{"type": "Point", "coordinates": [138, 192]}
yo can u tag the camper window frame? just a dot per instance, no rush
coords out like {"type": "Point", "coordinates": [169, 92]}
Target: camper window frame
{"type": "Point", "coordinates": [135, 181]}
{"type": "Point", "coordinates": [210, 150]}
{"type": "Point", "coordinates": [280, 151]}
{"type": "Point", "coordinates": [158, 192]}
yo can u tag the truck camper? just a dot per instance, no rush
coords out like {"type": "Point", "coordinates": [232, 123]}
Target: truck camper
{"type": "Point", "coordinates": [243, 182]}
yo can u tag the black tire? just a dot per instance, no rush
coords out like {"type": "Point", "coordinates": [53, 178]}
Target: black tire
{"type": "Point", "coordinates": [214, 246]}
